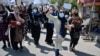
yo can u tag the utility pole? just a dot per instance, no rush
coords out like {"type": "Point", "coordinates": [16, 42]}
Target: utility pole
{"type": "Point", "coordinates": [92, 14]}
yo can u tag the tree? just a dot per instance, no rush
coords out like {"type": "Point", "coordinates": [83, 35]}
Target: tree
{"type": "Point", "coordinates": [73, 2]}
{"type": "Point", "coordinates": [53, 1]}
{"type": "Point", "coordinates": [60, 2]}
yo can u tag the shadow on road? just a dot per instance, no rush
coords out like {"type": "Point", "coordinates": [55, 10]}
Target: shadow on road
{"type": "Point", "coordinates": [66, 39]}
{"type": "Point", "coordinates": [24, 52]}
{"type": "Point", "coordinates": [43, 32]}
{"type": "Point", "coordinates": [97, 45]}
{"type": "Point", "coordinates": [64, 48]}
{"type": "Point", "coordinates": [29, 40]}
{"type": "Point", "coordinates": [45, 49]}
{"type": "Point", "coordinates": [79, 53]}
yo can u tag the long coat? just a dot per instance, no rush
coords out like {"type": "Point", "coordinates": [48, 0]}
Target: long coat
{"type": "Point", "coordinates": [17, 30]}
{"type": "Point", "coordinates": [3, 25]}
{"type": "Point", "coordinates": [62, 29]}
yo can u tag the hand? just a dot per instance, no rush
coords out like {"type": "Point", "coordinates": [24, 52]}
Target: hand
{"type": "Point", "coordinates": [66, 26]}
{"type": "Point", "coordinates": [72, 25]}
{"type": "Point", "coordinates": [18, 23]}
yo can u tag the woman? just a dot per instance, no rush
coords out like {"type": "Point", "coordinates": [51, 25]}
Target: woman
{"type": "Point", "coordinates": [61, 17]}
{"type": "Point", "coordinates": [3, 26]}
{"type": "Point", "coordinates": [75, 30]}
{"type": "Point", "coordinates": [50, 27]}
{"type": "Point", "coordinates": [24, 15]}
{"type": "Point", "coordinates": [29, 11]}
{"type": "Point", "coordinates": [35, 27]}
{"type": "Point", "coordinates": [16, 23]}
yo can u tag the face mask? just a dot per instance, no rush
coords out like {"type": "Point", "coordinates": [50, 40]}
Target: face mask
{"type": "Point", "coordinates": [61, 15]}
{"type": "Point", "coordinates": [34, 10]}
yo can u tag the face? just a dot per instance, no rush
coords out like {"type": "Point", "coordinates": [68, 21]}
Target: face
{"type": "Point", "coordinates": [51, 10]}
{"type": "Point", "coordinates": [22, 8]}
{"type": "Point", "coordinates": [61, 14]}
{"type": "Point", "coordinates": [61, 11]}
{"type": "Point", "coordinates": [16, 9]}
{"type": "Point", "coordinates": [34, 10]}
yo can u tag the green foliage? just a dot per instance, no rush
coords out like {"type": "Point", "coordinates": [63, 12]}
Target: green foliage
{"type": "Point", "coordinates": [73, 2]}
{"type": "Point", "coordinates": [60, 2]}
{"type": "Point", "coordinates": [54, 1]}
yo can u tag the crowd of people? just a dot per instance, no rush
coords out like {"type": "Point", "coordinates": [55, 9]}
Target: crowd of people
{"type": "Point", "coordinates": [22, 20]}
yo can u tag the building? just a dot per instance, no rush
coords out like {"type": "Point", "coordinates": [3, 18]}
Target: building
{"type": "Point", "coordinates": [96, 11]}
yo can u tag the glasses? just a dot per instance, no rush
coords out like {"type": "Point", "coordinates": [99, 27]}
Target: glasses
{"type": "Point", "coordinates": [61, 11]}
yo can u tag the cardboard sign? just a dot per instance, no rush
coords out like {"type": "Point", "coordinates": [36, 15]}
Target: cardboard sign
{"type": "Point", "coordinates": [37, 1]}
{"type": "Point", "coordinates": [67, 6]}
{"type": "Point", "coordinates": [41, 2]}
{"type": "Point", "coordinates": [11, 2]}
{"type": "Point", "coordinates": [45, 2]}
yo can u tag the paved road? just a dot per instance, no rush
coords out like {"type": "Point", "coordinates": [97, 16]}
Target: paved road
{"type": "Point", "coordinates": [84, 48]}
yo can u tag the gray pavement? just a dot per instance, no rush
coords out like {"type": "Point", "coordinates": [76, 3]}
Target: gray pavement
{"type": "Point", "coordinates": [84, 48]}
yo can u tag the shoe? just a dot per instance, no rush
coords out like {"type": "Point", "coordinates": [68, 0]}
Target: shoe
{"type": "Point", "coordinates": [60, 55]}
{"type": "Point", "coordinates": [73, 49]}
{"type": "Point", "coordinates": [51, 44]}
{"type": "Point", "coordinates": [4, 46]}
{"type": "Point", "coordinates": [17, 49]}
{"type": "Point", "coordinates": [21, 48]}
{"type": "Point", "coordinates": [36, 43]}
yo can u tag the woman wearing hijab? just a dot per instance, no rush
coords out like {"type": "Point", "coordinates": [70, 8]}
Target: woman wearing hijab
{"type": "Point", "coordinates": [50, 27]}
{"type": "Point", "coordinates": [75, 30]}
{"type": "Point", "coordinates": [3, 26]}
{"type": "Point", "coordinates": [25, 16]}
{"type": "Point", "coordinates": [35, 27]}
{"type": "Point", "coordinates": [61, 17]}
{"type": "Point", "coordinates": [16, 23]}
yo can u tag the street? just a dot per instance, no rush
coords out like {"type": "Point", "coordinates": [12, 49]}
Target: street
{"type": "Point", "coordinates": [84, 48]}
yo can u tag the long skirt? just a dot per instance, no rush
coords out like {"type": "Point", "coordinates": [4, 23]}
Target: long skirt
{"type": "Point", "coordinates": [19, 34]}
{"type": "Point", "coordinates": [75, 37]}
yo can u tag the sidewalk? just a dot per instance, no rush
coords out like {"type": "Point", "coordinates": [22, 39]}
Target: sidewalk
{"type": "Point", "coordinates": [97, 37]}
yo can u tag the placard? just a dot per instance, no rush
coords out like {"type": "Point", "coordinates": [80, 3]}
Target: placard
{"type": "Point", "coordinates": [11, 2]}
{"type": "Point", "coordinates": [67, 6]}
{"type": "Point", "coordinates": [37, 1]}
